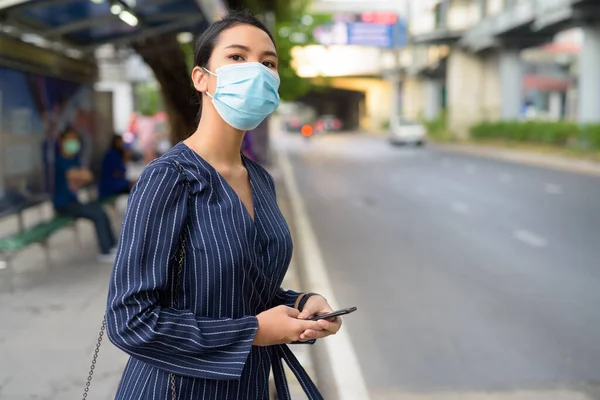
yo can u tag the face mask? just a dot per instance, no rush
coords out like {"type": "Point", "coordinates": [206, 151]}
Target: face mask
{"type": "Point", "coordinates": [71, 147]}
{"type": "Point", "coordinates": [246, 94]}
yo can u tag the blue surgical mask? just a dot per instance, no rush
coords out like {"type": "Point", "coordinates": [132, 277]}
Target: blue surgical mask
{"type": "Point", "coordinates": [71, 147]}
{"type": "Point", "coordinates": [246, 94]}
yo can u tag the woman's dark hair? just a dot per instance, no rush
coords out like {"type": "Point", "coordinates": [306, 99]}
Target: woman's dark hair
{"type": "Point", "coordinates": [206, 42]}
{"type": "Point", "coordinates": [116, 139]}
{"type": "Point", "coordinates": [66, 131]}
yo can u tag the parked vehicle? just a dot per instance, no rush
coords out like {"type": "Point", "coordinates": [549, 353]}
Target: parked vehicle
{"type": "Point", "coordinates": [328, 123]}
{"type": "Point", "coordinates": [407, 132]}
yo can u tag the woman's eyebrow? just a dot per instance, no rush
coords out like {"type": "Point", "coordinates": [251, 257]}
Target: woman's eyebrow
{"type": "Point", "coordinates": [246, 48]}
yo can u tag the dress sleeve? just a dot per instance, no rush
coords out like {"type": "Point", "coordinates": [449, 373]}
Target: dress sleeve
{"type": "Point", "coordinates": [285, 297]}
{"type": "Point", "coordinates": [139, 318]}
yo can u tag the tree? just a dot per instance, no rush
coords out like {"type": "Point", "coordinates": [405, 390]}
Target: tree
{"type": "Point", "coordinates": [168, 62]}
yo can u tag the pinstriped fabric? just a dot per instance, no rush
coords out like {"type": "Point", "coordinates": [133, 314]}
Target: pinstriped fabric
{"type": "Point", "coordinates": [233, 269]}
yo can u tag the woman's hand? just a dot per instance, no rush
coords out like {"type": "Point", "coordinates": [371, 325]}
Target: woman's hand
{"type": "Point", "coordinates": [317, 305]}
{"type": "Point", "coordinates": [281, 325]}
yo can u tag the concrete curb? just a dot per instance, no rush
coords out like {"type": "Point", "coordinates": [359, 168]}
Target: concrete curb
{"type": "Point", "coordinates": [524, 157]}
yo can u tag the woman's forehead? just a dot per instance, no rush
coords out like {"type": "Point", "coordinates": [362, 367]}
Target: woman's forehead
{"type": "Point", "coordinates": [246, 36]}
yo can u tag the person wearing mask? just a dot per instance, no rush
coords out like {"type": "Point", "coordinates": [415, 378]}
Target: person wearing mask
{"type": "Point", "coordinates": [69, 177]}
{"type": "Point", "coordinates": [113, 180]}
{"type": "Point", "coordinates": [195, 297]}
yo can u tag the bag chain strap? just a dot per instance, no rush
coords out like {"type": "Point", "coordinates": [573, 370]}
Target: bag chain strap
{"type": "Point", "coordinates": [93, 366]}
{"type": "Point", "coordinates": [176, 296]}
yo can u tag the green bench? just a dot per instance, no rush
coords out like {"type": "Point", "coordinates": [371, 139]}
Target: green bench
{"type": "Point", "coordinates": [38, 233]}
{"type": "Point", "coordinates": [35, 234]}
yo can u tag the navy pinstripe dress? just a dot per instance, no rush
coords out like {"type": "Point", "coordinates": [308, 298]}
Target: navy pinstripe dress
{"type": "Point", "coordinates": [233, 269]}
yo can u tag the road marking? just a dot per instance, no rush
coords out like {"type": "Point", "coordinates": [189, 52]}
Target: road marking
{"type": "Point", "coordinates": [3, 265]}
{"type": "Point", "coordinates": [530, 238]}
{"type": "Point", "coordinates": [460, 208]}
{"type": "Point", "coordinates": [558, 394]}
{"type": "Point", "coordinates": [505, 178]}
{"type": "Point", "coordinates": [471, 169]}
{"type": "Point", "coordinates": [349, 381]}
{"type": "Point", "coordinates": [552, 188]}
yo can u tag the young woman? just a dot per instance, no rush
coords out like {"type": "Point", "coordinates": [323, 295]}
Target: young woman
{"type": "Point", "coordinates": [195, 295]}
{"type": "Point", "coordinates": [113, 180]}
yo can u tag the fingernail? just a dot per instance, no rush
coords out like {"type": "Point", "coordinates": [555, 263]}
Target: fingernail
{"type": "Point", "coordinates": [302, 316]}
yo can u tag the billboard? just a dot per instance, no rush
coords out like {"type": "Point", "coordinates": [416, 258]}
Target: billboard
{"type": "Point", "coordinates": [374, 29]}
{"type": "Point", "coordinates": [34, 109]}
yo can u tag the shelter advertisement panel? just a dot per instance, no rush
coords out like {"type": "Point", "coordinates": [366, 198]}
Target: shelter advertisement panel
{"type": "Point", "coordinates": [34, 109]}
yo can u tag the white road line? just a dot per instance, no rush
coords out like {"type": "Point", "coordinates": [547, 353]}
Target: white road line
{"type": "Point", "coordinates": [505, 178]}
{"type": "Point", "coordinates": [551, 394]}
{"type": "Point", "coordinates": [460, 208]}
{"type": "Point", "coordinates": [471, 169]}
{"type": "Point", "coordinates": [530, 238]}
{"type": "Point", "coordinates": [552, 188]}
{"type": "Point", "coordinates": [3, 265]}
{"type": "Point", "coordinates": [349, 381]}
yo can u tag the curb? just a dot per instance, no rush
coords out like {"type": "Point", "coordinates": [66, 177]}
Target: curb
{"type": "Point", "coordinates": [525, 157]}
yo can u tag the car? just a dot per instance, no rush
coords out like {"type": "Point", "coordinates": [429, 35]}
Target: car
{"type": "Point", "coordinates": [293, 124]}
{"type": "Point", "coordinates": [407, 131]}
{"type": "Point", "coordinates": [328, 123]}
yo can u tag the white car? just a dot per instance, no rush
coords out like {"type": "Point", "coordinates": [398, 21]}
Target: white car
{"type": "Point", "coordinates": [407, 132]}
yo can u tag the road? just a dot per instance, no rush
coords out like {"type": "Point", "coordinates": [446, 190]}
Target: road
{"type": "Point", "coordinates": [471, 275]}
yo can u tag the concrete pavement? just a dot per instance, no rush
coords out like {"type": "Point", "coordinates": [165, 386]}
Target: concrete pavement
{"type": "Point", "coordinates": [475, 278]}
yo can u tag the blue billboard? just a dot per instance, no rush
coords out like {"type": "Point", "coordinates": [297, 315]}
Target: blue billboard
{"type": "Point", "coordinates": [383, 30]}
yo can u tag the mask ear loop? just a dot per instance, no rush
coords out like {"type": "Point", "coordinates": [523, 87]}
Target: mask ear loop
{"type": "Point", "coordinates": [213, 74]}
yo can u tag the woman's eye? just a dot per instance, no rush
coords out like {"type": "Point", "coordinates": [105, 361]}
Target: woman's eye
{"type": "Point", "coordinates": [236, 57]}
{"type": "Point", "coordinates": [269, 64]}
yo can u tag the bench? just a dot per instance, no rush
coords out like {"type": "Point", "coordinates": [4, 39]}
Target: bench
{"type": "Point", "coordinates": [38, 233]}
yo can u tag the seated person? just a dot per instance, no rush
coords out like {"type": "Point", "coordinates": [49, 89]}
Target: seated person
{"type": "Point", "coordinates": [113, 179]}
{"type": "Point", "coordinates": [69, 178]}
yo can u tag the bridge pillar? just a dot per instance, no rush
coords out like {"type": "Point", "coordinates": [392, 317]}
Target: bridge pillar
{"type": "Point", "coordinates": [395, 97]}
{"type": "Point", "coordinates": [474, 90]}
{"type": "Point", "coordinates": [511, 78]}
{"type": "Point", "coordinates": [589, 76]}
{"type": "Point", "coordinates": [433, 98]}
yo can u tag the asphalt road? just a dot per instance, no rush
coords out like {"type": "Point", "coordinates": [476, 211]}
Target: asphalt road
{"type": "Point", "coordinates": [471, 275]}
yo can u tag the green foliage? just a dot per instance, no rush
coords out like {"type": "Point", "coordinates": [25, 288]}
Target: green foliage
{"type": "Point", "coordinates": [437, 128]}
{"type": "Point", "coordinates": [289, 34]}
{"type": "Point", "coordinates": [149, 99]}
{"type": "Point", "coordinates": [560, 134]}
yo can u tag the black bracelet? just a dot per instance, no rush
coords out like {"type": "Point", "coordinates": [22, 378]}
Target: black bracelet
{"type": "Point", "coordinates": [304, 299]}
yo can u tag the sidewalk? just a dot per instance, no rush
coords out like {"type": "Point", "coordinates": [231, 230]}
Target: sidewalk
{"type": "Point", "coordinates": [50, 323]}
{"type": "Point", "coordinates": [525, 157]}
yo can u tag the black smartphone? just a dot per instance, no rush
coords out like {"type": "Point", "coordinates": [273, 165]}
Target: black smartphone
{"type": "Point", "coordinates": [334, 314]}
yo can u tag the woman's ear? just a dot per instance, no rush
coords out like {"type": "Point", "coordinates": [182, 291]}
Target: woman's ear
{"type": "Point", "coordinates": [200, 79]}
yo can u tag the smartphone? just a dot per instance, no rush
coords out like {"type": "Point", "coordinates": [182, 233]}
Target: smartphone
{"type": "Point", "coordinates": [334, 314]}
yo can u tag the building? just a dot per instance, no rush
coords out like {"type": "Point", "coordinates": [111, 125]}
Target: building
{"type": "Point", "coordinates": [485, 60]}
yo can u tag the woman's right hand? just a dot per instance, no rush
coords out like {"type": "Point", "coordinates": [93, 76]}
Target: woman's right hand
{"type": "Point", "coordinates": [281, 325]}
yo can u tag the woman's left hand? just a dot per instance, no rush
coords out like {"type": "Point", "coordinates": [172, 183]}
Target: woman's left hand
{"type": "Point", "coordinates": [317, 305]}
